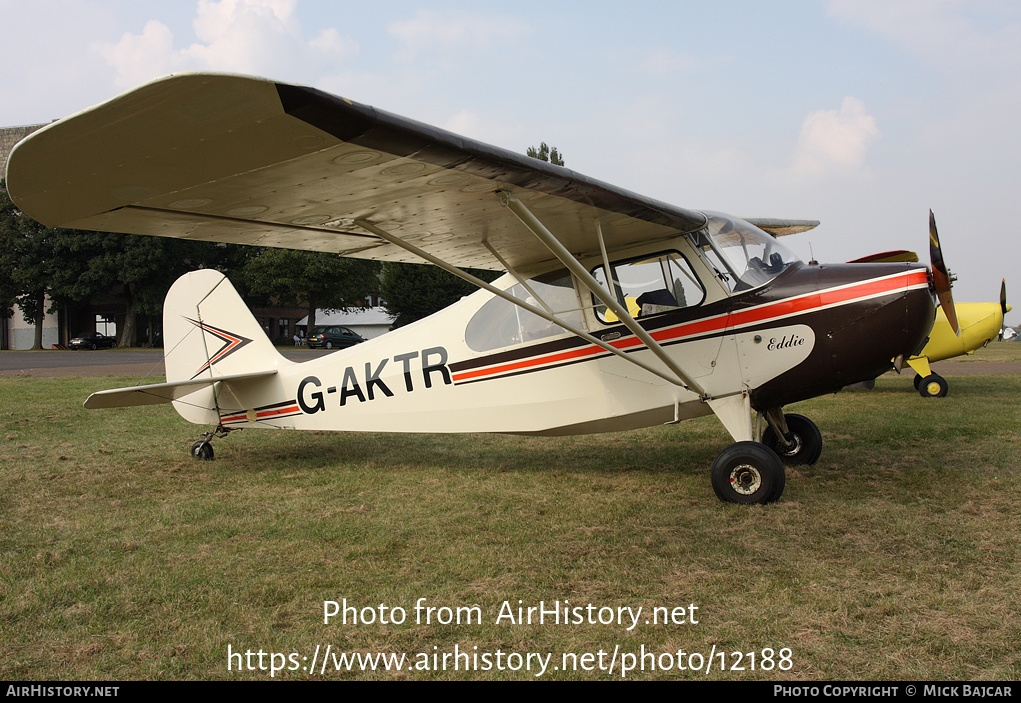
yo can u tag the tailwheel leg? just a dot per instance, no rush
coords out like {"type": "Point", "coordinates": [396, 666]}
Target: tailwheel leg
{"type": "Point", "coordinates": [748, 472]}
{"type": "Point", "coordinates": [203, 449]}
{"type": "Point", "coordinates": [794, 438]}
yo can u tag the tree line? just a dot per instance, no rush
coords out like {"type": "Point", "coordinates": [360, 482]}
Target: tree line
{"type": "Point", "coordinates": [43, 269]}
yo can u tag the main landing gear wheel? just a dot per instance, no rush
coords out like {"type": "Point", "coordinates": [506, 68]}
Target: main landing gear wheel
{"type": "Point", "coordinates": [807, 441]}
{"type": "Point", "coordinates": [203, 450]}
{"type": "Point", "coordinates": [933, 386]}
{"type": "Point", "coordinates": [748, 472]}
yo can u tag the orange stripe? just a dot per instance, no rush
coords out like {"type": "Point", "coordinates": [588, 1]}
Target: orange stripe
{"type": "Point", "coordinates": [780, 308]}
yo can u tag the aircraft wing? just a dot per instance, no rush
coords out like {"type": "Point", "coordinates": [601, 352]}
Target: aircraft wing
{"type": "Point", "coordinates": [229, 158]}
{"type": "Point", "coordinates": [780, 227]}
{"type": "Point", "coordinates": [887, 257]}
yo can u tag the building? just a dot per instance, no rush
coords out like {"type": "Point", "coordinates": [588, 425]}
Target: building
{"type": "Point", "coordinates": [368, 322]}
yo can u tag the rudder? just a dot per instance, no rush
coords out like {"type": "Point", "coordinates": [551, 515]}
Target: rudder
{"type": "Point", "coordinates": [209, 332]}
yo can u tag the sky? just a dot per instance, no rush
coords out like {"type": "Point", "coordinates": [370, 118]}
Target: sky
{"type": "Point", "coordinates": [863, 114]}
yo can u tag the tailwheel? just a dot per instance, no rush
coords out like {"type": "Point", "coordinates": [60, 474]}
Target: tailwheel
{"type": "Point", "coordinates": [203, 450]}
{"type": "Point", "coordinates": [748, 472]}
{"type": "Point", "coordinates": [933, 386]}
{"type": "Point", "coordinates": [805, 443]}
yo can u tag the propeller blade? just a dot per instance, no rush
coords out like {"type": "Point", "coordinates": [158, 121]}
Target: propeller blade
{"type": "Point", "coordinates": [941, 277]}
{"type": "Point", "coordinates": [1003, 297]}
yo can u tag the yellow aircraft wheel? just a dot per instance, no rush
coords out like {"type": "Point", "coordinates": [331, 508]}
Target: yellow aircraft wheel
{"type": "Point", "coordinates": [934, 386]}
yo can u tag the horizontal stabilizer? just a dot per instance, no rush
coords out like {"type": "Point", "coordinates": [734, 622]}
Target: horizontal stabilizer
{"type": "Point", "coordinates": [157, 393]}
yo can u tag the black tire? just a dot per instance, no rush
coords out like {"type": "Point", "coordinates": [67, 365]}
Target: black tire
{"type": "Point", "coordinates": [93, 346]}
{"type": "Point", "coordinates": [747, 473]}
{"type": "Point", "coordinates": [807, 441]}
{"type": "Point", "coordinates": [918, 381]}
{"type": "Point", "coordinates": [329, 345]}
{"type": "Point", "coordinates": [202, 450]}
{"type": "Point", "coordinates": [934, 386]}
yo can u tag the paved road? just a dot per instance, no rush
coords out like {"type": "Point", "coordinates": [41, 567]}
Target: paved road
{"type": "Point", "coordinates": [103, 362]}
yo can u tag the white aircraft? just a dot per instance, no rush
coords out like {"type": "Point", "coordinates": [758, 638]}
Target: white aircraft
{"type": "Point", "coordinates": [616, 311]}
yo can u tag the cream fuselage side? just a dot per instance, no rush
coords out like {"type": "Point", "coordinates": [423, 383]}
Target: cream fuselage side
{"type": "Point", "coordinates": [414, 379]}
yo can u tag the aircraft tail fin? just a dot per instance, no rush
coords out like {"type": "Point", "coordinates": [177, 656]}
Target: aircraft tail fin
{"type": "Point", "coordinates": [209, 333]}
{"type": "Point", "coordinates": [214, 349]}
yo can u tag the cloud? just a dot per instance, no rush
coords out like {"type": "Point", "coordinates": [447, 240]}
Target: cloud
{"type": "Point", "coordinates": [960, 36]}
{"type": "Point", "coordinates": [429, 31]}
{"type": "Point", "coordinates": [835, 140]}
{"type": "Point", "coordinates": [244, 36]}
{"type": "Point", "coordinates": [141, 57]}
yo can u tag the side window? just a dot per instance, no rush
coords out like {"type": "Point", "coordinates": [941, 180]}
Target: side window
{"type": "Point", "coordinates": [650, 285]}
{"type": "Point", "coordinates": [500, 323]}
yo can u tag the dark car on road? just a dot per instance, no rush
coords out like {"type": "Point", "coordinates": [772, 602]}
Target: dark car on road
{"type": "Point", "coordinates": [95, 340]}
{"type": "Point", "coordinates": [333, 337]}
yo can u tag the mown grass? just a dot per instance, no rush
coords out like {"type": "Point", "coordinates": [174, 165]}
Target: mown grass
{"type": "Point", "coordinates": [895, 557]}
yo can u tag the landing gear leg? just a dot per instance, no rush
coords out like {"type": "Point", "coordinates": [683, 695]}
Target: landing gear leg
{"type": "Point", "coordinates": [795, 439]}
{"type": "Point", "coordinates": [203, 449]}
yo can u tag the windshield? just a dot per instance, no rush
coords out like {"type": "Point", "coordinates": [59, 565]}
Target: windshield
{"type": "Point", "coordinates": [743, 255]}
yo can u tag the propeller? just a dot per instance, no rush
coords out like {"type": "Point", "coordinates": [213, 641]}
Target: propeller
{"type": "Point", "coordinates": [1003, 297]}
{"type": "Point", "coordinates": [941, 280]}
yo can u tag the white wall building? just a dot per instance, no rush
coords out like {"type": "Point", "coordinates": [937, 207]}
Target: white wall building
{"type": "Point", "coordinates": [20, 335]}
{"type": "Point", "coordinates": [368, 322]}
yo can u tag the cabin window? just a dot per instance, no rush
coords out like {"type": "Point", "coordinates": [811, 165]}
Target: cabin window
{"type": "Point", "coordinates": [500, 323]}
{"type": "Point", "coordinates": [650, 285]}
{"type": "Point", "coordinates": [742, 255]}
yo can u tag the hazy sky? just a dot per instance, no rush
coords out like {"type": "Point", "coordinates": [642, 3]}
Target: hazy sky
{"type": "Point", "coordinates": [860, 113]}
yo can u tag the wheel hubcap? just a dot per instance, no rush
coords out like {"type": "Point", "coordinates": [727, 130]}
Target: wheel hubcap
{"type": "Point", "coordinates": [745, 479]}
{"type": "Point", "coordinates": [793, 448]}
{"type": "Point", "coordinates": [932, 388]}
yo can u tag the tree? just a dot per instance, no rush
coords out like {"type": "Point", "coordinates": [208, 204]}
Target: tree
{"type": "Point", "coordinates": [313, 279]}
{"type": "Point", "coordinates": [26, 257]}
{"type": "Point", "coordinates": [414, 291]}
{"type": "Point", "coordinates": [544, 153]}
{"type": "Point", "coordinates": [136, 268]}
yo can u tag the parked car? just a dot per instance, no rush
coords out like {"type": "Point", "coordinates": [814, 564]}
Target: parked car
{"type": "Point", "coordinates": [94, 340]}
{"type": "Point", "coordinates": [333, 337]}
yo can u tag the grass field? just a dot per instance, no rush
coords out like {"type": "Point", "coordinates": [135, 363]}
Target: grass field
{"type": "Point", "coordinates": [895, 557]}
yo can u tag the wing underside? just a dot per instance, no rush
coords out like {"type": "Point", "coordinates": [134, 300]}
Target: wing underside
{"type": "Point", "coordinates": [235, 159]}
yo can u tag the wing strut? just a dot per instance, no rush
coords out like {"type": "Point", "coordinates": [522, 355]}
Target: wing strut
{"type": "Point", "coordinates": [567, 259]}
{"type": "Point", "coordinates": [397, 241]}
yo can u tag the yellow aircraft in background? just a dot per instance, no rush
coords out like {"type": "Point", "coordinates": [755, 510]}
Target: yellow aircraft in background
{"type": "Point", "coordinates": [979, 324]}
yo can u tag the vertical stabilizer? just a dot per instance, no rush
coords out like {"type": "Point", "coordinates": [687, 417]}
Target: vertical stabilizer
{"type": "Point", "coordinates": [209, 332]}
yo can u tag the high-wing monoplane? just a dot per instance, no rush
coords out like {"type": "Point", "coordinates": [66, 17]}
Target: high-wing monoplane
{"type": "Point", "coordinates": [615, 311]}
